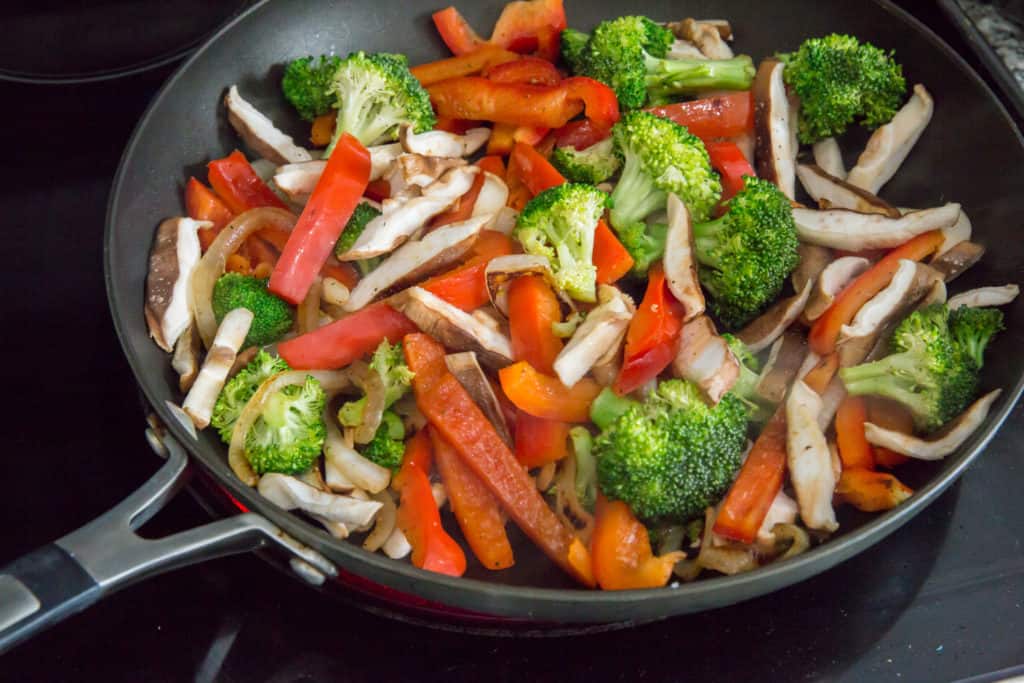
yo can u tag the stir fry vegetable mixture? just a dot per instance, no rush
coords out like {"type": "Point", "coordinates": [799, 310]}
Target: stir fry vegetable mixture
{"type": "Point", "coordinates": [562, 279]}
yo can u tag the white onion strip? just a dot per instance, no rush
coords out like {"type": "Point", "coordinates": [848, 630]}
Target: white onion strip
{"type": "Point", "coordinates": [385, 522]}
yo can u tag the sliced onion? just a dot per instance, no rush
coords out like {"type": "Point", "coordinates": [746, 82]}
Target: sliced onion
{"type": "Point", "coordinates": [385, 522]}
{"type": "Point", "coordinates": [567, 505]}
{"type": "Point", "coordinates": [725, 559]}
{"type": "Point", "coordinates": [307, 315]}
{"type": "Point", "coordinates": [330, 381]}
{"type": "Point", "coordinates": [363, 473]}
{"type": "Point", "coordinates": [211, 266]}
{"type": "Point", "coordinates": [371, 382]}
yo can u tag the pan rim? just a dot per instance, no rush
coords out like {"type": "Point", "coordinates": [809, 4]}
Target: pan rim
{"type": "Point", "coordinates": [532, 602]}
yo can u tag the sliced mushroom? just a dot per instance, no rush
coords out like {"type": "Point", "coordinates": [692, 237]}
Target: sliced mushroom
{"type": "Point", "coordinates": [840, 194]}
{"type": "Point", "coordinates": [501, 270]}
{"type": "Point", "coordinates": [454, 328]}
{"type": "Point", "coordinates": [952, 236]}
{"type": "Point", "coordinates": [684, 49]}
{"type": "Point", "coordinates": [298, 180]}
{"type": "Point", "coordinates": [853, 231]}
{"type": "Point", "coordinates": [491, 199]}
{"type": "Point", "coordinates": [259, 133]}
{"type": "Point", "coordinates": [230, 336]}
{"type": "Point", "coordinates": [705, 359]}
{"type": "Point", "coordinates": [706, 36]}
{"type": "Point", "coordinates": [936, 295]}
{"type": "Point", "coordinates": [680, 262]}
{"type": "Point", "coordinates": [890, 144]}
{"type": "Point", "coordinates": [723, 27]}
{"type": "Point", "coordinates": [985, 296]}
{"type": "Point", "coordinates": [603, 329]}
{"type": "Point", "coordinates": [439, 143]}
{"type": "Point", "coordinates": [829, 157]}
{"type": "Point", "coordinates": [958, 259]}
{"type": "Point", "coordinates": [813, 261]}
{"type": "Point", "coordinates": [414, 260]}
{"type": "Point", "coordinates": [783, 510]}
{"type": "Point", "coordinates": [472, 378]}
{"type": "Point", "coordinates": [833, 279]}
{"type": "Point", "coordinates": [809, 459]}
{"type": "Point", "coordinates": [402, 218]}
{"type": "Point", "coordinates": [759, 334]}
{"type": "Point", "coordinates": [784, 360]}
{"type": "Point", "coordinates": [776, 152]}
{"type": "Point", "coordinates": [186, 357]}
{"type": "Point", "coordinates": [290, 494]}
{"type": "Point", "coordinates": [420, 171]}
{"type": "Point", "coordinates": [835, 392]}
{"type": "Point", "coordinates": [174, 256]}
{"type": "Point", "coordinates": [951, 438]}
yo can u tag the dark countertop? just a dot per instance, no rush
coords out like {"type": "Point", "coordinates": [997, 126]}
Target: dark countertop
{"type": "Point", "coordinates": [941, 599]}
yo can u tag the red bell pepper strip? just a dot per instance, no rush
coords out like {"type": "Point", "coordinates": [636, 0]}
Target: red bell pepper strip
{"type": "Point", "coordinates": [238, 185]}
{"type": "Point", "coordinates": [621, 550]}
{"type": "Point", "coordinates": [760, 478]}
{"type": "Point", "coordinates": [343, 272]}
{"type": "Point", "coordinates": [202, 204]}
{"type": "Point", "coordinates": [580, 134]}
{"type": "Point", "coordinates": [552, 106]}
{"type": "Point", "coordinates": [531, 26]}
{"type": "Point", "coordinates": [721, 116]}
{"type": "Point", "coordinates": [338, 344]}
{"type": "Point", "coordinates": [539, 441]}
{"type": "Point", "coordinates": [854, 449]}
{"type": "Point", "coordinates": [825, 331]}
{"type": "Point", "coordinates": [493, 164]}
{"type": "Point", "coordinates": [456, 32]}
{"type": "Point", "coordinates": [465, 287]}
{"type": "Point", "coordinates": [610, 258]}
{"type": "Point", "coordinates": [530, 70]}
{"type": "Point", "coordinates": [532, 309]}
{"type": "Point", "coordinates": [475, 508]}
{"type": "Point", "coordinates": [378, 190]}
{"type": "Point", "coordinates": [728, 160]}
{"type": "Point", "coordinates": [889, 414]}
{"type": "Point", "coordinates": [467, 64]}
{"type": "Point", "coordinates": [418, 517]}
{"type": "Point", "coordinates": [463, 207]}
{"type": "Point", "coordinates": [450, 410]}
{"type": "Point", "coordinates": [324, 217]}
{"type": "Point", "coordinates": [653, 336]}
{"type": "Point", "coordinates": [456, 126]}
{"type": "Point", "coordinates": [544, 396]}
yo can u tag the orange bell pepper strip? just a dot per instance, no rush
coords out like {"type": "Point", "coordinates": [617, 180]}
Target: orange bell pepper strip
{"type": "Point", "coordinates": [854, 449]}
{"type": "Point", "coordinates": [531, 70]}
{"type": "Point", "coordinates": [721, 116]}
{"type": "Point", "coordinates": [322, 220]}
{"type": "Point", "coordinates": [339, 343]}
{"type": "Point", "coordinates": [871, 491]}
{"type": "Point", "coordinates": [466, 64]}
{"type": "Point", "coordinates": [237, 184]}
{"type": "Point", "coordinates": [732, 166]}
{"type": "Point", "coordinates": [418, 517]}
{"type": "Point", "coordinates": [465, 287]}
{"type": "Point", "coordinates": [621, 550]}
{"type": "Point", "coordinates": [537, 172]}
{"type": "Point", "coordinates": [760, 478]}
{"type": "Point", "coordinates": [493, 164]}
{"type": "Point", "coordinates": [532, 309]}
{"type": "Point", "coordinates": [450, 410]}
{"type": "Point", "coordinates": [825, 331]}
{"type": "Point", "coordinates": [610, 258]}
{"type": "Point", "coordinates": [551, 106]}
{"type": "Point", "coordinates": [456, 32]}
{"type": "Point", "coordinates": [530, 26]}
{"type": "Point", "coordinates": [653, 336]}
{"type": "Point", "coordinates": [530, 135]}
{"type": "Point", "coordinates": [889, 414]}
{"type": "Point", "coordinates": [322, 130]}
{"type": "Point", "coordinates": [475, 508]}
{"type": "Point", "coordinates": [463, 207]}
{"type": "Point", "coordinates": [202, 204]}
{"type": "Point", "coordinates": [539, 441]}
{"type": "Point", "coordinates": [237, 263]}
{"type": "Point", "coordinates": [544, 396]}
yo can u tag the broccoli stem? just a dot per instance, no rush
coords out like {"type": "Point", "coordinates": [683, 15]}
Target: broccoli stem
{"type": "Point", "coordinates": [683, 76]}
{"type": "Point", "coordinates": [635, 196]}
{"type": "Point", "coordinates": [706, 240]}
{"type": "Point", "coordinates": [609, 407]}
{"type": "Point", "coordinates": [351, 413]}
{"type": "Point", "coordinates": [887, 378]}
{"type": "Point", "coordinates": [586, 466]}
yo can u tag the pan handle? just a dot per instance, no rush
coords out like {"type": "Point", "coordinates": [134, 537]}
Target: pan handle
{"type": "Point", "coordinates": [63, 578]}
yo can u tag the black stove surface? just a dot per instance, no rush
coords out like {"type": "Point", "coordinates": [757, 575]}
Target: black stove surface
{"type": "Point", "coordinates": [941, 599]}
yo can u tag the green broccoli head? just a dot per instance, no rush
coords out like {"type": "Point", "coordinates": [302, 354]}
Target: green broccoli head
{"type": "Point", "coordinates": [307, 83]}
{"type": "Point", "coordinates": [240, 388]}
{"type": "Point", "coordinates": [840, 81]}
{"type": "Point", "coordinates": [361, 216]}
{"type": "Point", "coordinates": [672, 455]}
{"type": "Point", "coordinates": [972, 330]}
{"type": "Point", "coordinates": [645, 243]}
{"type": "Point", "coordinates": [272, 316]}
{"type": "Point", "coordinates": [559, 224]}
{"type": "Point", "coordinates": [746, 255]}
{"type": "Point", "coordinates": [387, 446]}
{"type": "Point", "coordinates": [375, 94]}
{"type": "Point", "coordinates": [388, 361]}
{"type": "Point", "coordinates": [573, 43]}
{"type": "Point", "coordinates": [926, 371]}
{"type": "Point", "coordinates": [289, 434]}
{"type": "Point", "coordinates": [745, 388]}
{"type": "Point", "coordinates": [592, 165]}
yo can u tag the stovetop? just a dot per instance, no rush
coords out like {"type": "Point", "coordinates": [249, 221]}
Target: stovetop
{"type": "Point", "coordinates": [941, 599]}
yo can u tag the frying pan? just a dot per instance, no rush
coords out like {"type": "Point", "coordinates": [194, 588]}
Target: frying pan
{"type": "Point", "coordinates": [967, 154]}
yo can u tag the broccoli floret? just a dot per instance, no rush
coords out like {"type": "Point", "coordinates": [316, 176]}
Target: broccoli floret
{"type": "Point", "coordinates": [973, 328]}
{"type": "Point", "coordinates": [389, 362]}
{"type": "Point", "coordinates": [573, 44]}
{"type": "Point", "coordinates": [839, 81]}
{"type": "Point", "coordinates": [745, 256]}
{"type": "Point", "coordinates": [387, 446]}
{"type": "Point", "coordinates": [660, 157]}
{"type": "Point", "coordinates": [672, 455]}
{"type": "Point", "coordinates": [586, 466]}
{"type": "Point", "coordinates": [593, 165]}
{"type": "Point", "coordinates": [927, 370]}
{"type": "Point", "coordinates": [289, 434]}
{"type": "Point", "coordinates": [363, 214]}
{"type": "Point", "coordinates": [375, 94]}
{"type": "Point", "coordinates": [307, 83]}
{"type": "Point", "coordinates": [272, 316]}
{"type": "Point", "coordinates": [240, 388]}
{"type": "Point", "coordinates": [559, 224]}
{"type": "Point", "coordinates": [745, 388]}
{"type": "Point", "coordinates": [628, 54]}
